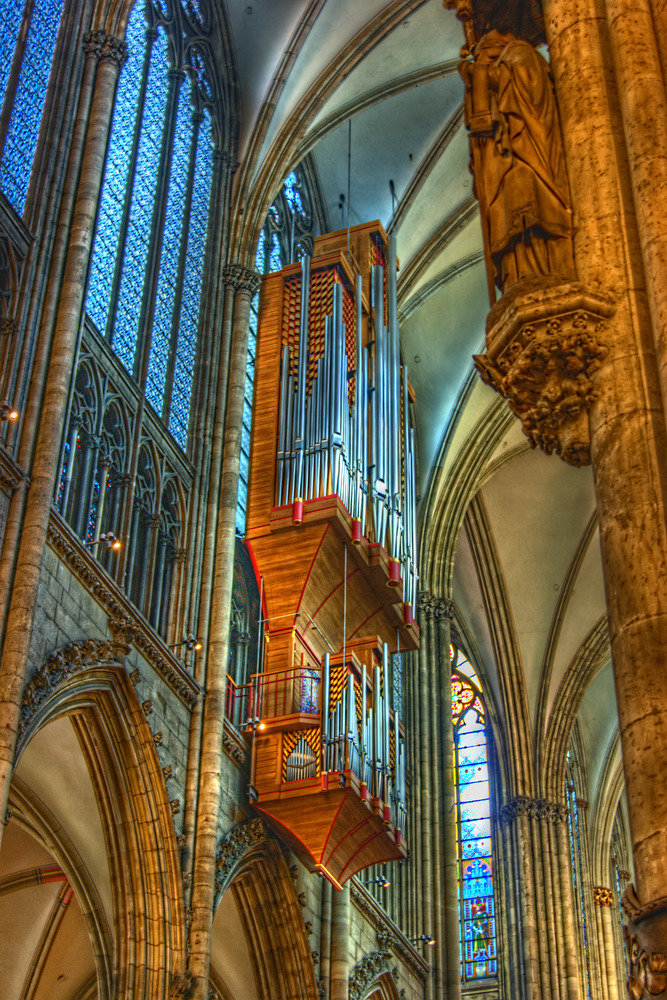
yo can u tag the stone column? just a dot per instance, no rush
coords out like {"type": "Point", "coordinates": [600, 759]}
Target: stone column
{"type": "Point", "coordinates": [207, 569]}
{"type": "Point", "coordinates": [448, 924]}
{"type": "Point", "coordinates": [208, 803]}
{"type": "Point", "coordinates": [340, 946]}
{"type": "Point", "coordinates": [54, 406]}
{"type": "Point", "coordinates": [425, 804]}
{"type": "Point", "coordinates": [628, 423]}
{"type": "Point", "coordinates": [603, 900]}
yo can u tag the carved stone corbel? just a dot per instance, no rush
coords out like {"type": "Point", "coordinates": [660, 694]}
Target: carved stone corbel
{"type": "Point", "coordinates": [646, 944]}
{"type": "Point", "coordinates": [544, 341]}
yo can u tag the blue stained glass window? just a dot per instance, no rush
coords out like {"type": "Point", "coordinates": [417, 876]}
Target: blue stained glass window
{"type": "Point", "coordinates": [275, 261]}
{"type": "Point", "coordinates": [135, 256]}
{"type": "Point", "coordinates": [171, 249]}
{"type": "Point", "coordinates": [194, 264]}
{"type": "Point", "coordinates": [475, 858]}
{"type": "Point", "coordinates": [293, 194]}
{"type": "Point", "coordinates": [11, 20]}
{"type": "Point", "coordinates": [28, 104]}
{"type": "Point", "coordinates": [107, 235]}
{"type": "Point", "coordinates": [577, 866]}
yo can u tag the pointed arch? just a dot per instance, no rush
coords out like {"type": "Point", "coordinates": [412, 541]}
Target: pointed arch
{"type": "Point", "coordinates": [252, 867]}
{"type": "Point", "coordinates": [86, 682]}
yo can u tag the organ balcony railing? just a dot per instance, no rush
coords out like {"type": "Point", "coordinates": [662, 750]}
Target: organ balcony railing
{"type": "Point", "coordinates": [330, 733]}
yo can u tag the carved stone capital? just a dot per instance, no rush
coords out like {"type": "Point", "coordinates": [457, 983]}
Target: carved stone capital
{"type": "Point", "coordinates": [425, 603]}
{"type": "Point", "coordinates": [602, 896]}
{"type": "Point", "coordinates": [541, 809]}
{"type": "Point", "coordinates": [543, 344]}
{"type": "Point", "coordinates": [241, 279]}
{"type": "Point", "coordinates": [228, 161]}
{"type": "Point", "coordinates": [103, 46]}
{"type": "Point", "coordinates": [646, 944]}
{"type": "Point", "coordinates": [443, 609]}
{"type": "Point", "coordinates": [8, 326]}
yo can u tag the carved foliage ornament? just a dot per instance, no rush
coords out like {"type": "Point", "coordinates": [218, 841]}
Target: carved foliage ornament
{"type": "Point", "coordinates": [645, 932]}
{"type": "Point", "coordinates": [541, 809]}
{"type": "Point", "coordinates": [60, 666]}
{"type": "Point", "coordinates": [602, 896]}
{"type": "Point", "coordinates": [365, 973]}
{"type": "Point", "coordinates": [238, 842]}
{"type": "Point", "coordinates": [543, 345]}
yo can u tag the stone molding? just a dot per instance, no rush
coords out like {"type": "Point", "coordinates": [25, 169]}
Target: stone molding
{"type": "Point", "coordinates": [541, 809]}
{"type": "Point", "coordinates": [388, 934]}
{"type": "Point", "coordinates": [364, 974]}
{"type": "Point", "coordinates": [241, 279]}
{"type": "Point", "coordinates": [602, 896]}
{"type": "Point", "coordinates": [121, 620]}
{"type": "Point", "coordinates": [233, 847]}
{"type": "Point", "coordinates": [543, 344]}
{"type": "Point", "coordinates": [59, 667]}
{"type": "Point", "coordinates": [104, 46]}
{"type": "Point", "coordinates": [233, 748]}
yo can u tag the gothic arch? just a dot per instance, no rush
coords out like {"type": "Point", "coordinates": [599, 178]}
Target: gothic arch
{"type": "Point", "coordinates": [371, 979]}
{"type": "Point", "coordinates": [252, 868]}
{"type": "Point", "coordinates": [86, 683]}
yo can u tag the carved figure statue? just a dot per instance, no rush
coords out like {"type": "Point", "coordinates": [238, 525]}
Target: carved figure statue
{"type": "Point", "coordinates": [518, 166]}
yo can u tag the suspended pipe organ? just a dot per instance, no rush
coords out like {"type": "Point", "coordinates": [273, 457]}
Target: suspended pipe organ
{"type": "Point", "coordinates": [331, 530]}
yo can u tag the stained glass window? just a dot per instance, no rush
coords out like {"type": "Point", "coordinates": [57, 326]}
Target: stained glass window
{"type": "Point", "coordinates": [574, 827]}
{"type": "Point", "coordinates": [286, 235]}
{"type": "Point", "coordinates": [148, 255]}
{"type": "Point", "coordinates": [475, 855]}
{"type": "Point", "coordinates": [27, 43]}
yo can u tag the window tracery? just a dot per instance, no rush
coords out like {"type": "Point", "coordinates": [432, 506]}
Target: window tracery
{"type": "Point", "coordinates": [148, 256]}
{"type": "Point", "coordinates": [573, 799]}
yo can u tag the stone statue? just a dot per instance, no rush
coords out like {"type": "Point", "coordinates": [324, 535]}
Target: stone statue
{"type": "Point", "coordinates": [517, 160]}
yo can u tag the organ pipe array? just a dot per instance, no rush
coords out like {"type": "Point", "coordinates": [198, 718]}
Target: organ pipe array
{"type": "Point", "coordinates": [361, 736]}
{"type": "Point", "coordinates": [344, 420]}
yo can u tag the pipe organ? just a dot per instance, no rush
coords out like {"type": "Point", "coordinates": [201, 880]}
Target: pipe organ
{"type": "Point", "coordinates": [331, 530]}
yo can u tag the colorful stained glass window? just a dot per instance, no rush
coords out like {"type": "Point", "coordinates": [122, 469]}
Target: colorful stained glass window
{"type": "Point", "coordinates": [27, 43]}
{"type": "Point", "coordinates": [475, 855]}
{"type": "Point", "coordinates": [149, 250]}
{"type": "Point", "coordinates": [577, 866]}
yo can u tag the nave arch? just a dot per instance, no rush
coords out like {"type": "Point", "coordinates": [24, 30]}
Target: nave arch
{"type": "Point", "coordinates": [260, 946]}
{"type": "Point", "coordinates": [89, 792]}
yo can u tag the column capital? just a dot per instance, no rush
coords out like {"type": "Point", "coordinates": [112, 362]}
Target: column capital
{"type": "Point", "coordinates": [227, 160]}
{"type": "Point", "coordinates": [646, 944]}
{"type": "Point", "coordinates": [443, 609]}
{"type": "Point", "coordinates": [541, 809]}
{"type": "Point", "coordinates": [241, 279]}
{"type": "Point", "coordinates": [602, 896]}
{"type": "Point", "coordinates": [103, 46]}
{"type": "Point", "coordinates": [425, 603]}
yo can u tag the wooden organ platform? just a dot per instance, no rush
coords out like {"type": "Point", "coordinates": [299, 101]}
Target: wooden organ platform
{"type": "Point", "coordinates": [330, 528]}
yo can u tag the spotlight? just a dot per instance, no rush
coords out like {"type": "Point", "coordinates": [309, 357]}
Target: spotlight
{"type": "Point", "coordinates": [8, 412]}
{"type": "Point", "coordinates": [424, 938]}
{"type": "Point", "coordinates": [379, 880]}
{"type": "Point", "coordinates": [109, 539]}
{"type": "Point", "coordinates": [190, 642]}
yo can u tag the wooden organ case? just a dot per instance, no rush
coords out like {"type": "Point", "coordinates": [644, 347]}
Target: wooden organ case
{"type": "Point", "coordinates": [331, 531]}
